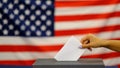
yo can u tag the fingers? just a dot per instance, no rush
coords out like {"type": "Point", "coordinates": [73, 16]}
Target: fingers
{"type": "Point", "coordinates": [88, 41]}
{"type": "Point", "coordinates": [84, 40]}
{"type": "Point", "coordinates": [86, 46]}
{"type": "Point", "coordinates": [90, 49]}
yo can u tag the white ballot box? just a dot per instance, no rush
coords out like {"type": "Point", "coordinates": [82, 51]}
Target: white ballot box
{"type": "Point", "coordinates": [81, 63]}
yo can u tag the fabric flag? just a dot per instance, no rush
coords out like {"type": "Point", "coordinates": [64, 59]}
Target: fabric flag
{"type": "Point", "coordinates": [32, 29]}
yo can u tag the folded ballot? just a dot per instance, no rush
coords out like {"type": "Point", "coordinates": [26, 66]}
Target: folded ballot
{"type": "Point", "coordinates": [71, 51]}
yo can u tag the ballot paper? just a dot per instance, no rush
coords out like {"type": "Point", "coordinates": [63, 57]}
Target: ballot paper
{"type": "Point", "coordinates": [71, 51]}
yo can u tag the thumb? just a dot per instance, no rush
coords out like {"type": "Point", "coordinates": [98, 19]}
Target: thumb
{"type": "Point", "coordinates": [86, 45]}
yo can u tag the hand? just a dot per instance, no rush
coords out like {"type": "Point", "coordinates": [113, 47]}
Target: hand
{"type": "Point", "coordinates": [91, 40]}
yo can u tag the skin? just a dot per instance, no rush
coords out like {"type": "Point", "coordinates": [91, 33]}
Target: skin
{"type": "Point", "coordinates": [91, 41]}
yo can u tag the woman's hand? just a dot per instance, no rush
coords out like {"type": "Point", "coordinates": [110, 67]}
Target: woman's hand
{"type": "Point", "coordinates": [91, 41]}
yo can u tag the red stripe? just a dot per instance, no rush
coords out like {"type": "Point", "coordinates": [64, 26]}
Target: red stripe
{"type": "Point", "coordinates": [119, 66]}
{"type": "Point", "coordinates": [29, 48]}
{"type": "Point", "coordinates": [86, 17]}
{"type": "Point", "coordinates": [103, 56]}
{"type": "Point", "coordinates": [17, 62]}
{"type": "Point", "coordinates": [86, 31]}
{"type": "Point", "coordinates": [115, 38]}
{"type": "Point", "coordinates": [84, 3]}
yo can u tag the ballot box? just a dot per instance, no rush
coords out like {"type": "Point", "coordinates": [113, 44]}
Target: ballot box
{"type": "Point", "coordinates": [81, 63]}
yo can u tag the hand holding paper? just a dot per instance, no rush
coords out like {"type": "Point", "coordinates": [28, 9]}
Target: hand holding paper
{"type": "Point", "coordinates": [70, 51]}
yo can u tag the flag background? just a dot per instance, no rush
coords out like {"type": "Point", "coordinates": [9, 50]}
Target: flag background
{"type": "Point", "coordinates": [19, 49]}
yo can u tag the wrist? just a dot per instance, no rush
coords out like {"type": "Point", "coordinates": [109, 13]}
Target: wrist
{"type": "Point", "coordinates": [105, 43]}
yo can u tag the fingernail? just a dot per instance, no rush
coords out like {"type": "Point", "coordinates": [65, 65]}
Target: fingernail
{"type": "Point", "coordinates": [80, 46]}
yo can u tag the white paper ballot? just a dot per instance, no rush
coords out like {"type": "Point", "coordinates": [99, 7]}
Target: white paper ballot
{"type": "Point", "coordinates": [71, 51]}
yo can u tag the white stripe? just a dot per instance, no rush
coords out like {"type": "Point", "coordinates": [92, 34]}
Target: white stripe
{"type": "Point", "coordinates": [39, 41]}
{"type": "Point", "coordinates": [87, 24]}
{"type": "Point", "coordinates": [112, 61]}
{"type": "Point", "coordinates": [25, 55]}
{"type": "Point", "coordinates": [61, 11]}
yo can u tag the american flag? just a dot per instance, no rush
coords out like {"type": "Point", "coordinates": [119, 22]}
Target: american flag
{"type": "Point", "coordinates": [32, 29]}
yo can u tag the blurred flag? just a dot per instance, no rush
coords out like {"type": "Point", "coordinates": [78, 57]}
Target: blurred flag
{"type": "Point", "coordinates": [32, 29]}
